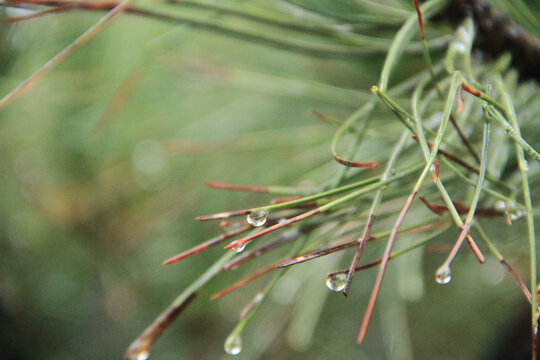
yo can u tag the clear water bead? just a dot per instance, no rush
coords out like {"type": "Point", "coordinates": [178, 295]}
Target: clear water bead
{"type": "Point", "coordinates": [443, 275]}
{"type": "Point", "coordinates": [337, 282]}
{"type": "Point", "coordinates": [143, 355]}
{"type": "Point", "coordinates": [239, 248]}
{"type": "Point", "coordinates": [233, 344]}
{"type": "Point", "coordinates": [257, 217]}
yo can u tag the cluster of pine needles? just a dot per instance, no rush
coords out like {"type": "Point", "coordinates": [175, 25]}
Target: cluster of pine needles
{"type": "Point", "coordinates": [457, 114]}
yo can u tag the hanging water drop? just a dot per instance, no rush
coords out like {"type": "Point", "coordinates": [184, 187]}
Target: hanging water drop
{"type": "Point", "coordinates": [239, 248]}
{"type": "Point", "coordinates": [257, 217]}
{"type": "Point", "coordinates": [143, 355]}
{"type": "Point", "coordinates": [443, 275]}
{"type": "Point", "coordinates": [337, 281]}
{"type": "Point", "coordinates": [233, 344]}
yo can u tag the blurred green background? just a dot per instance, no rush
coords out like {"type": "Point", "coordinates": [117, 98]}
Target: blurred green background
{"type": "Point", "coordinates": [101, 176]}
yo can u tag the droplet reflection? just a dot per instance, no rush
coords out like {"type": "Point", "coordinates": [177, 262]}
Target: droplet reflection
{"type": "Point", "coordinates": [233, 344]}
{"type": "Point", "coordinates": [257, 217]}
{"type": "Point", "coordinates": [337, 281]}
{"type": "Point", "coordinates": [443, 275]}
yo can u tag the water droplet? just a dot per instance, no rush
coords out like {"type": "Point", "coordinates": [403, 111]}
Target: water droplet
{"type": "Point", "coordinates": [443, 275]}
{"type": "Point", "coordinates": [233, 344]}
{"type": "Point", "coordinates": [337, 281]}
{"type": "Point", "coordinates": [257, 217]}
{"type": "Point", "coordinates": [525, 165]}
{"type": "Point", "coordinates": [143, 355]}
{"type": "Point", "coordinates": [239, 248]}
{"type": "Point", "coordinates": [500, 205]}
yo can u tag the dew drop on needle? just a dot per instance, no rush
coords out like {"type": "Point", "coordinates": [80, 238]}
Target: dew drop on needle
{"type": "Point", "coordinates": [443, 275]}
{"type": "Point", "coordinates": [143, 355]}
{"type": "Point", "coordinates": [337, 282]}
{"type": "Point", "coordinates": [257, 217]}
{"type": "Point", "coordinates": [239, 248]}
{"type": "Point", "coordinates": [233, 344]}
